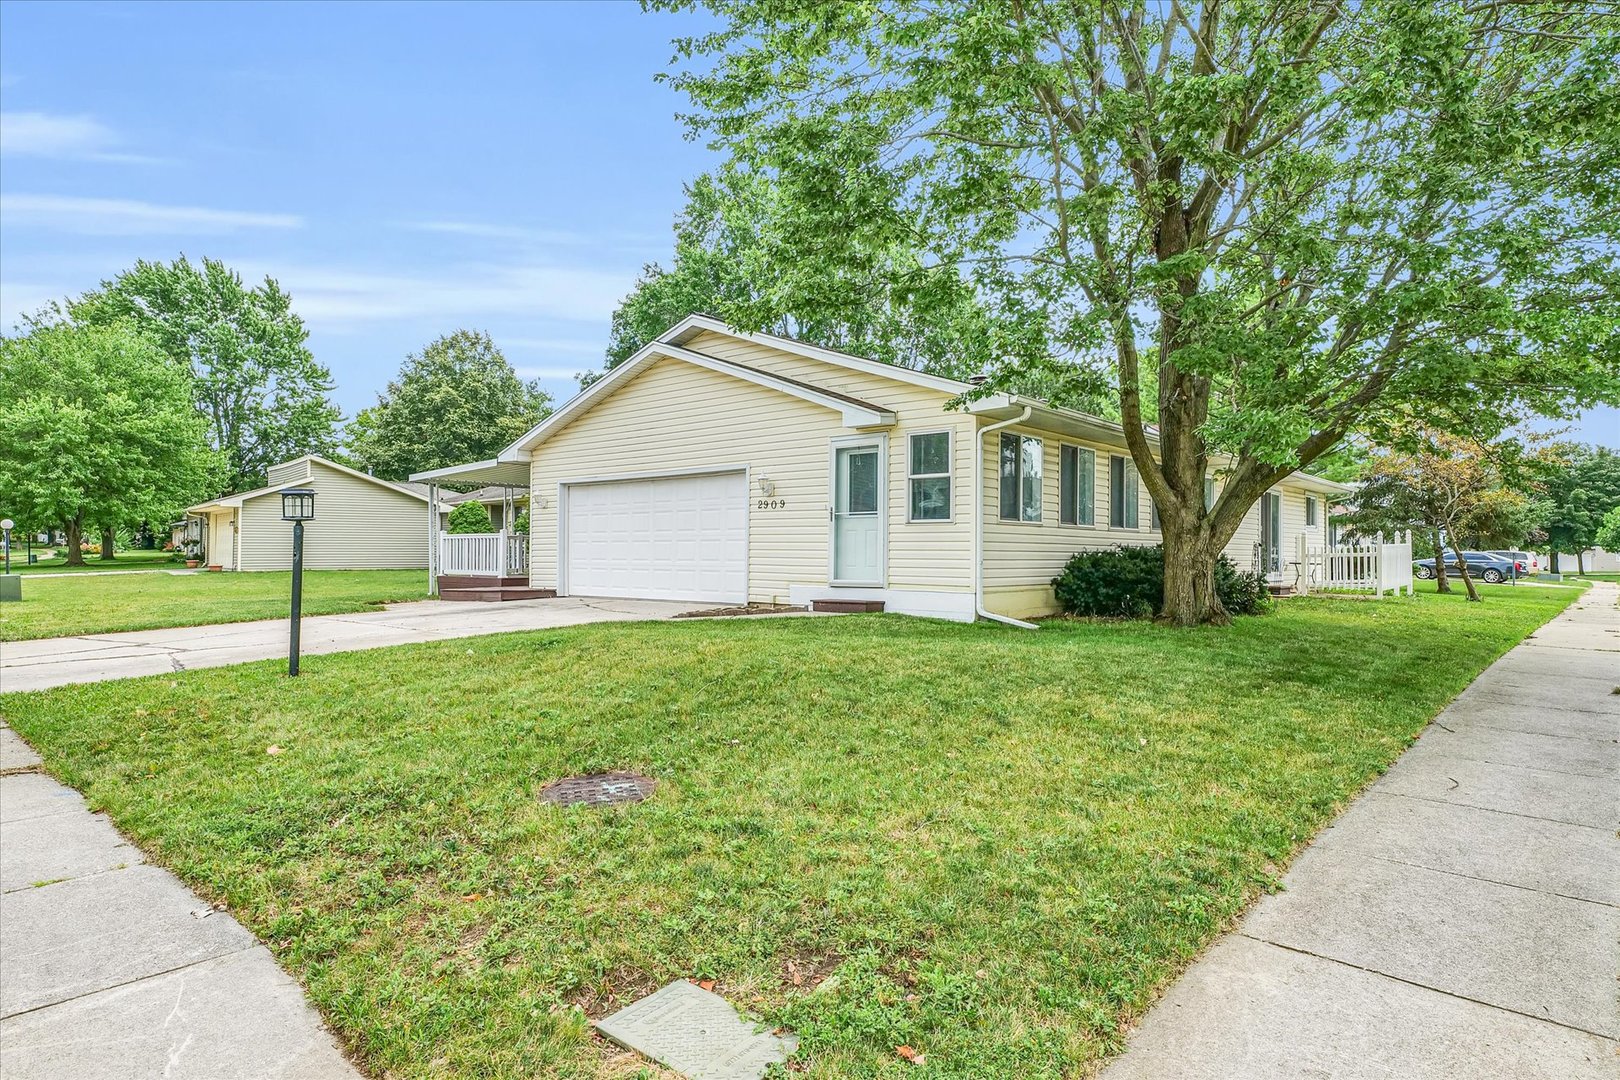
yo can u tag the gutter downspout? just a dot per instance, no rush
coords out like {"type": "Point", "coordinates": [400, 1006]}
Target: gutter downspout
{"type": "Point", "coordinates": [978, 523]}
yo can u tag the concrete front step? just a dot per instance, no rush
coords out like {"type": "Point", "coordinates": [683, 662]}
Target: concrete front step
{"type": "Point", "coordinates": [497, 594]}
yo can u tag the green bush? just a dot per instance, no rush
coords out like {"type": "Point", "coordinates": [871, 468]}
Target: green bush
{"type": "Point", "coordinates": [1128, 582]}
{"type": "Point", "coordinates": [470, 517]}
{"type": "Point", "coordinates": [520, 524]}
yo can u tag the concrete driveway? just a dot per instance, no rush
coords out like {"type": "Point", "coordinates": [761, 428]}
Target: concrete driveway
{"type": "Point", "coordinates": [39, 665]}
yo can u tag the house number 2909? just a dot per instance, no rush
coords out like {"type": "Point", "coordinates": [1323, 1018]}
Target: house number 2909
{"type": "Point", "coordinates": [772, 504]}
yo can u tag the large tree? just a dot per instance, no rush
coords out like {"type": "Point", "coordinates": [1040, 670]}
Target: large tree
{"type": "Point", "coordinates": [1271, 222]}
{"type": "Point", "coordinates": [97, 430]}
{"type": "Point", "coordinates": [1582, 486]}
{"type": "Point", "coordinates": [458, 400]}
{"type": "Point", "coordinates": [264, 395]}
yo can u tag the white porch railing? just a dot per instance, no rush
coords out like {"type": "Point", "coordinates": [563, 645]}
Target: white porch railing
{"type": "Point", "coordinates": [499, 554]}
{"type": "Point", "coordinates": [1377, 565]}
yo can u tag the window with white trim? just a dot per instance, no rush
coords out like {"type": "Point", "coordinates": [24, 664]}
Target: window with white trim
{"type": "Point", "coordinates": [1209, 493]}
{"type": "Point", "coordinates": [1077, 483]}
{"type": "Point", "coordinates": [1310, 510]}
{"type": "Point", "coordinates": [1122, 494]}
{"type": "Point", "coordinates": [1020, 478]}
{"type": "Point", "coordinates": [928, 476]}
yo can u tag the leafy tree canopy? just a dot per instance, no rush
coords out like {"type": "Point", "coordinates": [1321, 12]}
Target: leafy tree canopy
{"type": "Point", "coordinates": [1287, 219]}
{"type": "Point", "coordinates": [1582, 488]}
{"type": "Point", "coordinates": [253, 378]}
{"type": "Point", "coordinates": [456, 401]}
{"type": "Point", "coordinates": [733, 261]}
{"type": "Point", "coordinates": [97, 429]}
{"type": "Point", "coordinates": [1608, 536]}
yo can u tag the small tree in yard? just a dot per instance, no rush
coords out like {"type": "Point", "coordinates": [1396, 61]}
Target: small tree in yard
{"type": "Point", "coordinates": [1608, 536]}
{"type": "Point", "coordinates": [469, 517]}
{"type": "Point", "coordinates": [97, 427]}
{"type": "Point", "coordinates": [1448, 486]}
{"type": "Point", "coordinates": [1270, 223]}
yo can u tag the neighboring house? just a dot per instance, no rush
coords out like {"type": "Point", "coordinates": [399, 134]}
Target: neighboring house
{"type": "Point", "coordinates": [361, 523]}
{"type": "Point", "coordinates": [723, 467]}
{"type": "Point", "coordinates": [504, 504]}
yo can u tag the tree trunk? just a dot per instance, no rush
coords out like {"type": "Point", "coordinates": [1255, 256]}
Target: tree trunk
{"type": "Point", "coordinates": [1440, 582]}
{"type": "Point", "coordinates": [1580, 563]}
{"type": "Point", "coordinates": [74, 528]}
{"type": "Point", "coordinates": [1467, 579]}
{"type": "Point", "coordinates": [1189, 581]}
{"type": "Point", "coordinates": [109, 543]}
{"type": "Point", "coordinates": [1552, 558]}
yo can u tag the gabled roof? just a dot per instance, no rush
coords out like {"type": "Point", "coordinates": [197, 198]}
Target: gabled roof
{"type": "Point", "coordinates": [855, 412]}
{"type": "Point", "coordinates": [236, 500]}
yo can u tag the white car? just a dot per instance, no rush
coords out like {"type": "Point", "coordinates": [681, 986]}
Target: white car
{"type": "Point", "coordinates": [1529, 561]}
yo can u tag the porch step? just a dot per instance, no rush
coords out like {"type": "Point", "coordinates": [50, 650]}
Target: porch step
{"type": "Point", "coordinates": [495, 594]}
{"type": "Point", "coordinates": [1280, 590]}
{"type": "Point", "coordinates": [846, 606]}
{"type": "Point", "coordinates": [472, 581]}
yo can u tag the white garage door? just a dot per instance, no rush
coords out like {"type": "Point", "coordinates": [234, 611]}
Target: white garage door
{"type": "Point", "coordinates": [674, 538]}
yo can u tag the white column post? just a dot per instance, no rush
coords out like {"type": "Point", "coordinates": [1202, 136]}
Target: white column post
{"type": "Point", "coordinates": [1304, 564]}
{"type": "Point", "coordinates": [433, 539]}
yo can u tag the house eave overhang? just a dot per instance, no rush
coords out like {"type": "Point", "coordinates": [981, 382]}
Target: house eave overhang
{"type": "Point", "coordinates": [508, 470]}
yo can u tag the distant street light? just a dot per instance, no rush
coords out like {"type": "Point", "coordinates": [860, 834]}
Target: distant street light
{"type": "Point", "coordinates": [6, 525]}
{"type": "Point", "coordinates": [297, 506]}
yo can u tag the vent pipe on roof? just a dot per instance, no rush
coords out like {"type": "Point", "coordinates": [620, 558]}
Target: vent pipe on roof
{"type": "Point", "coordinates": [978, 380]}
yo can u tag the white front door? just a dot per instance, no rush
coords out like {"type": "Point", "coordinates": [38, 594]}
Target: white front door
{"type": "Point", "coordinates": [857, 514]}
{"type": "Point", "coordinates": [662, 538]}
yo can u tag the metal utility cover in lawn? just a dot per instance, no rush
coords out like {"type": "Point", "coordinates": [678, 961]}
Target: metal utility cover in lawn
{"type": "Point", "coordinates": [696, 1033]}
{"type": "Point", "coordinates": [599, 789]}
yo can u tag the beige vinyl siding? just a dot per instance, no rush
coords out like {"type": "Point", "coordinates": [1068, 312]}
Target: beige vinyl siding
{"type": "Point", "coordinates": [290, 472]}
{"type": "Point", "coordinates": [922, 555]}
{"type": "Point", "coordinates": [1022, 558]}
{"type": "Point", "coordinates": [359, 525]}
{"type": "Point", "coordinates": [673, 416]}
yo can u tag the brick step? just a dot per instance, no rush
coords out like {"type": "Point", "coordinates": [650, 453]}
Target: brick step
{"type": "Point", "coordinates": [470, 581]}
{"type": "Point", "coordinates": [497, 594]}
{"type": "Point", "coordinates": [846, 606]}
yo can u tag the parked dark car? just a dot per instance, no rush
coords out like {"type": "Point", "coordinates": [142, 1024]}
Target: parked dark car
{"type": "Point", "coordinates": [1484, 565]}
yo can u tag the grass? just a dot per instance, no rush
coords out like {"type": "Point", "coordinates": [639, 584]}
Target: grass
{"type": "Point", "coordinates": [54, 607]}
{"type": "Point", "coordinates": [1602, 575]}
{"type": "Point", "coordinates": [123, 560]}
{"type": "Point", "coordinates": [1000, 845]}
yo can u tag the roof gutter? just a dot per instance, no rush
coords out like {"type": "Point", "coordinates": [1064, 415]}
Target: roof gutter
{"type": "Point", "coordinates": [978, 522]}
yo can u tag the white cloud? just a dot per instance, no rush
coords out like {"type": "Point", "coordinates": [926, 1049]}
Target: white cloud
{"type": "Point", "coordinates": [36, 134]}
{"type": "Point", "coordinates": [616, 240]}
{"type": "Point", "coordinates": [128, 217]}
{"type": "Point", "coordinates": [334, 299]}
{"type": "Point", "coordinates": [575, 346]}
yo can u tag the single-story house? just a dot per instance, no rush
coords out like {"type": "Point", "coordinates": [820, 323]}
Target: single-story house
{"type": "Point", "coordinates": [361, 522]}
{"type": "Point", "coordinates": [725, 467]}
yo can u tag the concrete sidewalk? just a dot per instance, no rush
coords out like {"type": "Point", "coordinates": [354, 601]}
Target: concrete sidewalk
{"type": "Point", "coordinates": [1461, 920]}
{"type": "Point", "coordinates": [39, 665]}
{"type": "Point", "coordinates": [110, 968]}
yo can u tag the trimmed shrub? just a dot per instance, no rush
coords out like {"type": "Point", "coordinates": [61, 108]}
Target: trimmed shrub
{"type": "Point", "coordinates": [520, 524]}
{"type": "Point", "coordinates": [470, 517]}
{"type": "Point", "coordinates": [1127, 582]}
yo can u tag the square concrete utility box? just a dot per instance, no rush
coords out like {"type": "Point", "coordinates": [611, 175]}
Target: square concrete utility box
{"type": "Point", "coordinates": [10, 587]}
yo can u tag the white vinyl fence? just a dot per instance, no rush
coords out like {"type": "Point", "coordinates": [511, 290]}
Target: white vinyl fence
{"type": "Point", "coordinates": [1376, 565]}
{"type": "Point", "coordinates": [500, 554]}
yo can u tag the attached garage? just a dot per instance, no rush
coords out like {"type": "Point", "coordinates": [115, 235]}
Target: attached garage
{"type": "Point", "coordinates": [659, 537]}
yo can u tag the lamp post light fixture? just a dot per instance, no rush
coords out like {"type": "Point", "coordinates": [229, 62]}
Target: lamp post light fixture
{"type": "Point", "coordinates": [297, 506]}
{"type": "Point", "coordinates": [6, 525]}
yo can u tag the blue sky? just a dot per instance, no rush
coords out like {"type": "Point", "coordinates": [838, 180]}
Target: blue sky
{"type": "Point", "coordinates": [403, 170]}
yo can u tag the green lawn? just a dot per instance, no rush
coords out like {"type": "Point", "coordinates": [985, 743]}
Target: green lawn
{"type": "Point", "coordinates": [123, 560]}
{"type": "Point", "coordinates": [54, 607]}
{"type": "Point", "coordinates": [1001, 844]}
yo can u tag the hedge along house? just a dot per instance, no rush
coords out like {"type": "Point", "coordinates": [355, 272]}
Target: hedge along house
{"type": "Point", "coordinates": [724, 467]}
{"type": "Point", "coordinates": [361, 522]}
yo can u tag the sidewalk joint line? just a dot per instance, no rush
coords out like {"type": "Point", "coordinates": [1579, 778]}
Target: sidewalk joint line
{"type": "Point", "coordinates": [138, 979]}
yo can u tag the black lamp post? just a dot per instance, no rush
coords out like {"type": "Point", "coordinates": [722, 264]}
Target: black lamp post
{"type": "Point", "coordinates": [297, 506]}
{"type": "Point", "coordinates": [6, 526]}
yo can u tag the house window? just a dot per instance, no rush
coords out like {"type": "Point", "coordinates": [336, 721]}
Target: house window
{"type": "Point", "coordinates": [1020, 478]}
{"type": "Point", "coordinates": [1209, 493]}
{"type": "Point", "coordinates": [1077, 481]}
{"type": "Point", "coordinates": [1153, 514]}
{"type": "Point", "coordinates": [1122, 493]}
{"type": "Point", "coordinates": [929, 476]}
{"type": "Point", "coordinates": [1310, 510]}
